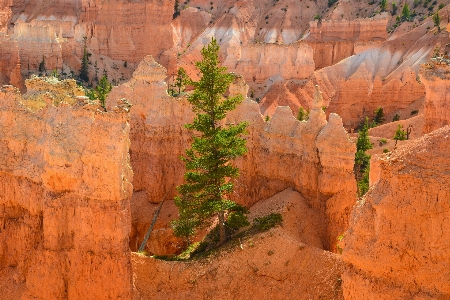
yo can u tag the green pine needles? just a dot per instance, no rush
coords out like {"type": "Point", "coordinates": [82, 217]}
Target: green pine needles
{"type": "Point", "coordinates": [209, 172]}
{"type": "Point", "coordinates": [362, 159]}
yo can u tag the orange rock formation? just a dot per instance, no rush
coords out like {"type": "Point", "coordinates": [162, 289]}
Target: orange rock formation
{"type": "Point", "coordinates": [437, 85]}
{"type": "Point", "coordinates": [64, 193]}
{"type": "Point", "coordinates": [397, 241]}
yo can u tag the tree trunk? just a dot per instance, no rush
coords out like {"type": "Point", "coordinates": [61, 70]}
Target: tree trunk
{"type": "Point", "coordinates": [222, 227]}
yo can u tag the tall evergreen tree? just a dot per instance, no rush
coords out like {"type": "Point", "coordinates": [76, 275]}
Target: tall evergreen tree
{"type": "Point", "coordinates": [394, 8]}
{"type": "Point", "coordinates": [437, 20]}
{"type": "Point", "coordinates": [362, 159]}
{"type": "Point", "coordinates": [406, 13]}
{"type": "Point", "coordinates": [400, 134]}
{"type": "Point", "coordinates": [383, 5]}
{"type": "Point", "coordinates": [42, 67]}
{"type": "Point", "coordinates": [102, 90]}
{"type": "Point", "coordinates": [378, 116]}
{"type": "Point", "coordinates": [209, 175]}
{"type": "Point", "coordinates": [181, 78]}
{"type": "Point", "coordinates": [84, 71]}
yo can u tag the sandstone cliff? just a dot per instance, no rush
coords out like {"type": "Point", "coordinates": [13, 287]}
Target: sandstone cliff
{"type": "Point", "coordinates": [435, 77]}
{"type": "Point", "coordinates": [127, 30]}
{"type": "Point", "coordinates": [64, 193]}
{"type": "Point", "coordinates": [398, 238]}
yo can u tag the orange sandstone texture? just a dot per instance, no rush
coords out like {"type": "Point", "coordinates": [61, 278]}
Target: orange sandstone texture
{"type": "Point", "coordinates": [397, 244]}
{"type": "Point", "coordinates": [64, 194]}
{"type": "Point", "coordinates": [435, 77]}
{"type": "Point", "coordinates": [127, 30]}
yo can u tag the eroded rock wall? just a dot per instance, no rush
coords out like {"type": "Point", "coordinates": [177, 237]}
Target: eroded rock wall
{"type": "Point", "coordinates": [127, 30]}
{"type": "Point", "coordinates": [397, 244]}
{"type": "Point", "coordinates": [359, 29]}
{"type": "Point", "coordinates": [64, 193]}
{"type": "Point", "coordinates": [10, 64]}
{"type": "Point", "coordinates": [437, 101]}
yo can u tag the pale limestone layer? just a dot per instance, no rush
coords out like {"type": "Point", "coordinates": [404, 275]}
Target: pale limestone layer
{"type": "Point", "coordinates": [397, 244]}
{"type": "Point", "coordinates": [315, 157]}
{"type": "Point", "coordinates": [64, 193]}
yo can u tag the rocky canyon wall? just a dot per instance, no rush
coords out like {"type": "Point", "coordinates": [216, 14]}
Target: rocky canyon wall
{"type": "Point", "coordinates": [397, 244]}
{"type": "Point", "coordinates": [64, 193]}
{"type": "Point", "coordinates": [309, 156]}
{"type": "Point", "coordinates": [435, 77]}
{"type": "Point", "coordinates": [359, 29]}
{"type": "Point", "coordinates": [127, 30]}
{"type": "Point", "coordinates": [37, 43]}
{"type": "Point", "coordinates": [10, 65]}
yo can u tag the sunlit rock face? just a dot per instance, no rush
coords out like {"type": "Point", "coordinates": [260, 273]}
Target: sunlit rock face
{"type": "Point", "coordinates": [398, 238]}
{"type": "Point", "coordinates": [435, 77]}
{"type": "Point", "coordinates": [64, 193]}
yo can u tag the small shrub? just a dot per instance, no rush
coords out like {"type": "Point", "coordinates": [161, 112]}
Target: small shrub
{"type": "Point", "coordinates": [400, 134]}
{"type": "Point", "coordinates": [378, 116]}
{"type": "Point", "coordinates": [267, 119]}
{"type": "Point", "coordinates": [385, 150]}
{"type": "Point", "coordinates": [383, 141]}
{"type": "Point", "coordinates": [237, 217]}
{"type": "Point", "coordinates": [338, 248]}
{"type": "Point", "coordinates": [302, 115]}
{"type": "Point", "coordinates": [267, 222]}
{"type": "Point", "coordinates": [396, 118]}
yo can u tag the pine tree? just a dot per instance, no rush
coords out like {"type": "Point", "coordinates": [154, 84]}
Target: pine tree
{"type": "Point", "coordinates": [181, 78]}
{"type": "Point", "coordinates": [396, 118]}
{"type": "Point", "coordinates": [400, 134]}
{"type": "Point", "coordinates": [362, 159]}
{"type": "Point", "coordinates": [42, 67]}
{"type": "Point", "coordinates": [406, 13]}
{"type": "Point", "coordinates": [437, 20]}
{"type": "Point", "coordinates": [84, 71]}
{"type": "Point", "coordinates": [302, 115]}
{"type": "Point", "coordinates": [383, 5]}
{"type": "Point", "coordinates": [102, 90]}
{"type": "Point", "coordinates": [204, 196]}
{"type": "Point", "coordinates": [394, 8]}
{"type": "Point", "coordinates": [378, 116]}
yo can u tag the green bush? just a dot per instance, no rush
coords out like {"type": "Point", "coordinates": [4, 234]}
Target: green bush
{"type": "Point", "coordinates": [396, 118]}
{"type": "Point", "coordinates": [267, 222]}
{"type": "Point", "coordinates": [236, 220]}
